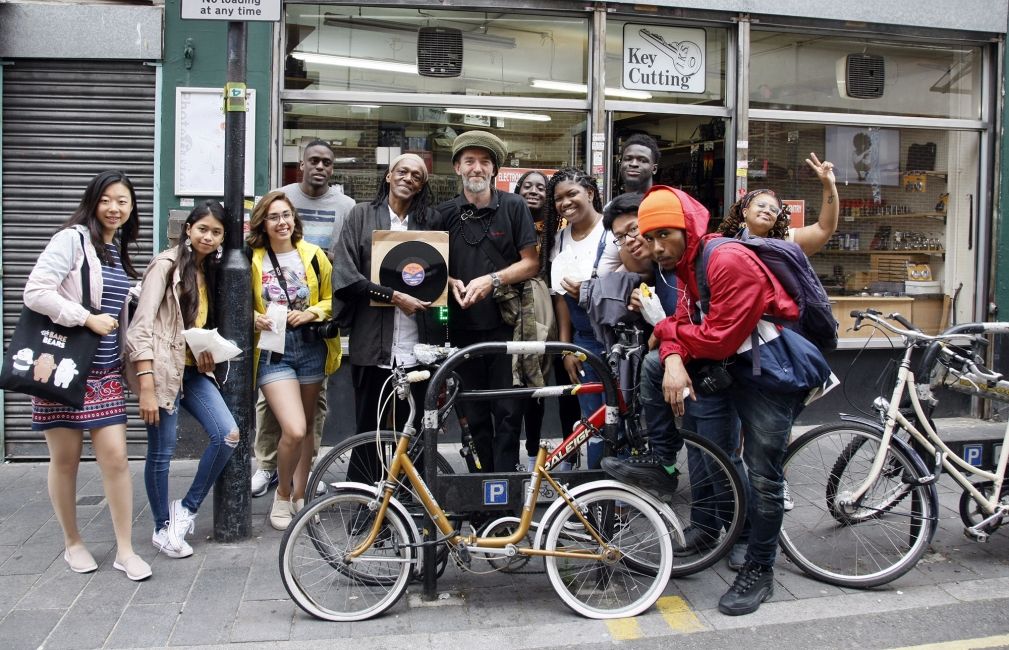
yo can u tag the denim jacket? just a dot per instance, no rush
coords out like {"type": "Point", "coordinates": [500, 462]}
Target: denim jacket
{"type": "Point", "coordinates": [156, 331]}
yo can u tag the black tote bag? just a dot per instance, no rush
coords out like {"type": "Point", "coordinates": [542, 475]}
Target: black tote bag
{"type": "Point", "coordinates": [48, 360]}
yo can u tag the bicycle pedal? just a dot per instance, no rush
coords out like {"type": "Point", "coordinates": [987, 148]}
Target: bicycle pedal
{"type": "Point", "coordinates": [975, 535]}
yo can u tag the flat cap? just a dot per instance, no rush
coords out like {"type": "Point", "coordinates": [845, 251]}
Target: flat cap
{"type": "Point", "coordinates": [482, 140]}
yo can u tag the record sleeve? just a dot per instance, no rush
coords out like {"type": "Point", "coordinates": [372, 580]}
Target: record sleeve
{"type": "Point", "coordinates": [414, 262]}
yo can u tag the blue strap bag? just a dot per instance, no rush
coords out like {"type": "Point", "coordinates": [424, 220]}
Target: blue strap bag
{"type": "Point", "coordinates": [787, 362]}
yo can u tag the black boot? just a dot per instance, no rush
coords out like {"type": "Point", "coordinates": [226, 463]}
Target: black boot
{"type": "Point", "coordinates": [754, 584]}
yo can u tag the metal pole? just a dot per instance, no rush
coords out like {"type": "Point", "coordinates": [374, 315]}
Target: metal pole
{"type": "Point", "coordinates": [742, 102]}
{"type": "Point", "coordinates": [232, 492]}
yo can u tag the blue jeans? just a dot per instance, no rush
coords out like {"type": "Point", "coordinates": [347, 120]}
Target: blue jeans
{"type": "Point", "coordinates": [663, 436]}
{"type": "Point", "coordinates": [767, 418]}
{"type": "Point", "coordinates": [712, 417]}
{"type": "Point", "coordinates": [590, 403]}
{"type": "Point", "coordinates": [201, 398]}
{"type": "Point", "coordinates": [302, 360]}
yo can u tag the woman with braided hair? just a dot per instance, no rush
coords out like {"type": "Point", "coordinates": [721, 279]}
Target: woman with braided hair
{"type": "Point", "coordinates": [761, 212]}
{"type": "Point", "coordinates": [586, 250]}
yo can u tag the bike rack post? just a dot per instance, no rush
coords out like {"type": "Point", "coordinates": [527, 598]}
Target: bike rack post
{"type": "Point", "coordinates": [430, 420]}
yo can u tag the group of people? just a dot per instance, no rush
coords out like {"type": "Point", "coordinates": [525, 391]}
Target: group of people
{"type": "Point", "coordinates": [311, 249]}
{"type": "Point", "coordinates": [143, 345]}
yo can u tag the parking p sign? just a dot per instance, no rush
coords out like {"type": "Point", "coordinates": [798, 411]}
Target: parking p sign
{"type": "Point", "coordinates": [495, 492]}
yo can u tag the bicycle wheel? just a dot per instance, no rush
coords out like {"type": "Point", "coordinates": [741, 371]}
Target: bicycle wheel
{"type": "Point", "coordinates": [358, 459]}
{"type": "Point", "coordinates": [711, 499]}
{"type": "Point", "coordinates": [866, 544]}
{"type": "Point", "coordinates": [315, 568]}
{"type": "Point", "coordinates": [881, 501]}
{"type": "Point", "coordinates": [631, 530]}
{"type": "Point", "coordinates": [884, 502]}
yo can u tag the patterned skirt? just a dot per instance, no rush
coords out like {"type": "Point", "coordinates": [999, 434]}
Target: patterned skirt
{"type": "Point", "coordinates": [104, 404]}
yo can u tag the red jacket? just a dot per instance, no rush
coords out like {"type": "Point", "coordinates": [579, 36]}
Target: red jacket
{"type": "Point", "coordinates": [742, 291]}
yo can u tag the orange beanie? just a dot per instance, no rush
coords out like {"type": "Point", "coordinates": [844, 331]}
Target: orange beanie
{"type": "Point", "coordinates": [660, 208]}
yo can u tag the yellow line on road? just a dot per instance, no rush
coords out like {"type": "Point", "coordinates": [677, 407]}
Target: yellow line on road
{"type": "Point", "coordinates": [965, 644]}
{"type": "Point", "coordinates": [624, 629]}
{"type": "Point", "coordinates": [678, 615]}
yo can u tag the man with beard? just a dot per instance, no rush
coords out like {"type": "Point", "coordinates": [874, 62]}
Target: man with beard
{"type": "Point", "coordinates": [639, 160]}
{"type": "Point", "coordinates": [323, 209]}
{"type": "Point", "coordinates": [492, 243]}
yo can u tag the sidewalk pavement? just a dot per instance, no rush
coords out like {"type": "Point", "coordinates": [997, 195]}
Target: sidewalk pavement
{"type": "Point", "coordinates": [232, 593]}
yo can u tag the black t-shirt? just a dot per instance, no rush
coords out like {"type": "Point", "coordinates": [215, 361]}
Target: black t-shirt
{"type": "Point", "coordinates": [506, 224]}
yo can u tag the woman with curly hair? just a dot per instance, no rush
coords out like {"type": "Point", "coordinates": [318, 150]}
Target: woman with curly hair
{"type": "Point", "coordinates": [294, 278]}
{"type": "Point", "coordinates": [587, 250]}
{"type": "Point", "coordinates": [761, 212]}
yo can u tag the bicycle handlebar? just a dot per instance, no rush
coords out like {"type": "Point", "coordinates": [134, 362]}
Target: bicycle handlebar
{"type": "Point", "coordinates": [915, 335]}
{"type": "Point", "coordinates": [938, 343]}
{"type": "Point", "coordinates": [415, 376]}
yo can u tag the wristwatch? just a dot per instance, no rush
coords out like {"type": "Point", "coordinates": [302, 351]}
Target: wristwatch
{"type": "Point", "coordinates": [495, 281]}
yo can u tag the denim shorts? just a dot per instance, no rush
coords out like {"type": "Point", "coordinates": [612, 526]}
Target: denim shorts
{"type": "Point", "coordinates": [302, 361]}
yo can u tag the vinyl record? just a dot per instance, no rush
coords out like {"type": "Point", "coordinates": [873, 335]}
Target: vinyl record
{"type": "Point", "coordinates": [416, 269]}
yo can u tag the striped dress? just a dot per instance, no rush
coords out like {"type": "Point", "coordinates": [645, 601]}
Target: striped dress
{"type": "Point", "coordinates": [104, 402]}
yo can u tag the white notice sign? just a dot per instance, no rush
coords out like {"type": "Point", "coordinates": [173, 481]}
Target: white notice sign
{"type": "Point", "coordinates": [236, 10]}
{"type": "Point", "coordinates": [669, 59]}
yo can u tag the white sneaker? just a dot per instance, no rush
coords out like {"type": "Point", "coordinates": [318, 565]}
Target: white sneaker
{"type": "Point", "coordinates": [261, 482]}
{"type": "Point", "coordinates": [181, 522]}
{"type": "Point", "coordinates": [786, 497]}
{"type": "Point", "coordinates": [280, 513]}
{"type": "Point", "coordinates": [320, 489]}
{"type": "Point", "coordinates": [164, 545]}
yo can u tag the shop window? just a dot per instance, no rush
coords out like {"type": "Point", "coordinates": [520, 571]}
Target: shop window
{"type": "Point", "coordinates": [365, 138]}
{"type": "Point", "coordinates": [377, 49]}
{"type": "Point", "coordinates": [864, 75]}
{"type": "Point", "coordinates": [908, 201]}
{"type": "Point", "coordinates": [691, 154]}
{"type": "Point", "coordinates": [669, 64]}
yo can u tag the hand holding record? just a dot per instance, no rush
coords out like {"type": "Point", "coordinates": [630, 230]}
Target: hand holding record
{"type": "Point", "coordinates": [408, 304]}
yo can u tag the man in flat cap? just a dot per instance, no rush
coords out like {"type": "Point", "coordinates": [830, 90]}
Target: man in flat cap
{"type": "Point", "coordinates": [492, 243]}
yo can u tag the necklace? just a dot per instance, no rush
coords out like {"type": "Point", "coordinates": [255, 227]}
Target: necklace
{"type": "Point", "coordinates": [485, 223]}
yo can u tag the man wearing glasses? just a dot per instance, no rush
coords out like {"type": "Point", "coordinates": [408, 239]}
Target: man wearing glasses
{"type": "Point", "coordinates": [323, 208]}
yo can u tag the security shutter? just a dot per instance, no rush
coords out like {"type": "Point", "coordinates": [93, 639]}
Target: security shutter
{"type": "Point", "coordinates": [63, 122]}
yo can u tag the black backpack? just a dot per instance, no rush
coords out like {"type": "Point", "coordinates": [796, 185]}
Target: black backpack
{"type": "Point", "coordinates": [791, 267]}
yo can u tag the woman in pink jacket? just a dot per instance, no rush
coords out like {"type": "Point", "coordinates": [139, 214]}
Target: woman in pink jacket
{"type": "Point", "coordinates": [101, 229]}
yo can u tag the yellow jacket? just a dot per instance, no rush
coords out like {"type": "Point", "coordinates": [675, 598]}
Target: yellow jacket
{"type": "Point", "coordinates": [320, 296]}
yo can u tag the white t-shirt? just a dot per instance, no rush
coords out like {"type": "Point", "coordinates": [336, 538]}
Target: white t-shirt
{"type": "Point", "coordinates": [294, 275]}
{"type": "Point", "coordinates": [578, 257]}
{"type": "Point", "coordinates": [405, 333]}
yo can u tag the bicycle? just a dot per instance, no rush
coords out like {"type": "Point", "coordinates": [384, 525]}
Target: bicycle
{"type": "Point", "coordinates": [724, 502]}
{"type": "Point", "coordinates": [349, 555]}
{"type": "Point", "coordinates": [866, 503]}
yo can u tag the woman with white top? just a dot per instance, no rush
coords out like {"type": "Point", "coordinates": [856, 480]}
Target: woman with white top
{"type": "Point", "coordinates": [584, 249]}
